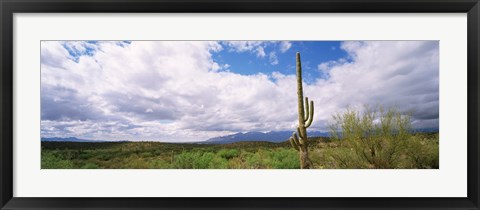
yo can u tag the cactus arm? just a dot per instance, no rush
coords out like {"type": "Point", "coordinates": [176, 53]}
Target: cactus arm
{"type": "Point", "coordinates": [301, 144]}
{"type": "Point", "coordinates": [296, 141]}
{"type": "Point", "coordinates": [300, 138]}
{"type": "Point", "coordinates": [294, 144]}
{"type": "Point", "coordinates": [310, 118]}
{"type": "Point", "coordinates": [299, 134]}
{"type": "Point", "coordinates": [307, 115]}
{"type": "Point", "coordinates": [295, 138]}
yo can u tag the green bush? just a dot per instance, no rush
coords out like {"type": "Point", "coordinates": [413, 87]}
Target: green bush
{"type": "Point", "coordinates": [423, 152]}
{"type": "Point", "coordinates": [376, 136]}
{"type": "Point", "coordinates": [256, 160]}
{"type": "Point", "coordinates": [218, 162]}
{"type": "Point", "coordinates": [198, 160]}
{"type": "Point", "coordinates": [228, 153]}
{"type": "Point", "coordinates": [90, 166]}
{"type": "Point", "coordinates": [418, 151]}
{"type": "Point", "coordinates": [52, 160]}
{"type": "Point", "coordinates": [284, 159]}
{"type": "Point", "coordinates": [184, 160]}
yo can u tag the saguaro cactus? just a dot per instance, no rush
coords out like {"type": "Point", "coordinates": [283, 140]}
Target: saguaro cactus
{"type": "Point", "coordinates": [305, 118]}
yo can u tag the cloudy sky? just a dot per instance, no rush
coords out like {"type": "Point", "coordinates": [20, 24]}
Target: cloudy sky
{"type": "Point", "coordinates": [194, 90]}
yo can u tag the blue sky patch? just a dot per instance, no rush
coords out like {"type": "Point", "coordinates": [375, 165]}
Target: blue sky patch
{"type": "Point", "coordinates": [313, 53]}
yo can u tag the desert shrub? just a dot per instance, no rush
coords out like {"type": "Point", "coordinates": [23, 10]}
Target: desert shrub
{"type": "Point", "coordinates": [146, 154]}
{"type": "Point", "coordinates": [198, 160]}
{"type": "Point", "coordinates": [85, 155]}
{"type": "Point", "coordinates": [159, 163]}
{"type": "Point", "coordinates": [376, 137]}
{"type": "Point", "coordinates": [237, 163]}
{"type": "Point", "coordinates": [157, 152]}
{"type": "Point", "coordinates": [90, 166]}
{"type": "Point", "coordinates": [218, 162]}
{"type": "Point", "coordinates": [103, 155]}
{"type": "Point", "coordinates": [202, 160]}
{"type": "Point", "coordinates": [228, 153]}
{"type": "Point", "coordinates": [52, 160]}
{"type": "Point", "coordinates": [419, 151]}
{"type": "Point", "coordinates": [283, 159]}
{"type": "Point", "coordinates": [134, 161]}
{"type": "Point", "coordinates": [68, 154]}
{"type": "Point", "coordinates": [280, 158]}
{"type": "Point", "coordinates": [256, 159]}
{"type": "Point", "coordinates": [184, 160]}
{"type": "Point", "coordinates": [339, 157]}
{"type": "Point", "coordinates": [423, 152]}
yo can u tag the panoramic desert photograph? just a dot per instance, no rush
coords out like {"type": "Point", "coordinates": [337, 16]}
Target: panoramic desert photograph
{"type": "Point", "coordinates": [236, 104]}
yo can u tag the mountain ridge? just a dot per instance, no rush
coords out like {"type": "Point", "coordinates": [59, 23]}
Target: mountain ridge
{"type": "Point", "coordinates": [271, 136]}
{"type": "Point", "coordinates": [69, 139]}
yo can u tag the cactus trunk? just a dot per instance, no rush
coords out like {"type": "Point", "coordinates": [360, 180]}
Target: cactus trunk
{"type": "Point", "coordinates": [305, 118]}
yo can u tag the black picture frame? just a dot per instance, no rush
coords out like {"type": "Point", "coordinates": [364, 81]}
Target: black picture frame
{"type": "Point", "coordinates": [10, 7]}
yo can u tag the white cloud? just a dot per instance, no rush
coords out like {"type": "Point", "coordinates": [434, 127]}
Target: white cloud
{"type": "Point", "coordinates": [145, 84]}
{"type": "Point", "coordinates": [272, 56]}
{"type": "Point", "coordinates": [327, 66]}
{"type": "Point", "coordinates": [260, 52]}
{"type": "Point", "coordinates": [119, 83]}
{"type": "Point", "coordinates": [284, 46]}
{"type": "Point", "coordinates": [257, 47]}
{"type": "Point", "coordinates": [175, 91]}
{"type": "Point", "coordinates": [403, 74]}
{"type": "Point", "coordinates": [247, 46]}
{"type": "Point", "coordinates": [243, 46]}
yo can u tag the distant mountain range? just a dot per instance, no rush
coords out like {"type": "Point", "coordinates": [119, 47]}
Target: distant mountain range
{"type": "Point", "coordinates": [70, 139]}
{"type": "Point", "coordinates": [425, 130]}
{"type": "Point", "coordinates": [272, 136]}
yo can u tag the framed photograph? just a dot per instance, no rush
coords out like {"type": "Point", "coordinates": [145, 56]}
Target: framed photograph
{"type": "Point", "coordinates": [239, 105]}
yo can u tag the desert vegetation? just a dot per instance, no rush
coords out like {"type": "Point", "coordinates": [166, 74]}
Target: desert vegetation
{"type": "Point", "coordinates": [419, 151]}
{"type": "Point", "coordinates": [382, 138]}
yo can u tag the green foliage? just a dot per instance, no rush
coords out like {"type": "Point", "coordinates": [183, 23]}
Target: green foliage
{"type": "Point", "coordinates": [336, 157]}
{"type": "Point", "coordinates": [55, 160]}
{"type": "Point", "coordinates": [379, 138]}
{"type": "Point", "coordinates": [198, 160]}
{"type": "Point", "coordinates": [284, 159]}
{"type": "Point", "coordinates": [422, 152]}
{"type": "Point", "coordinates": [90, 166]}
{"type": "Point", "coordinates": [376, 135]}
{"type": "Point", "coordinates": [228, 153]}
